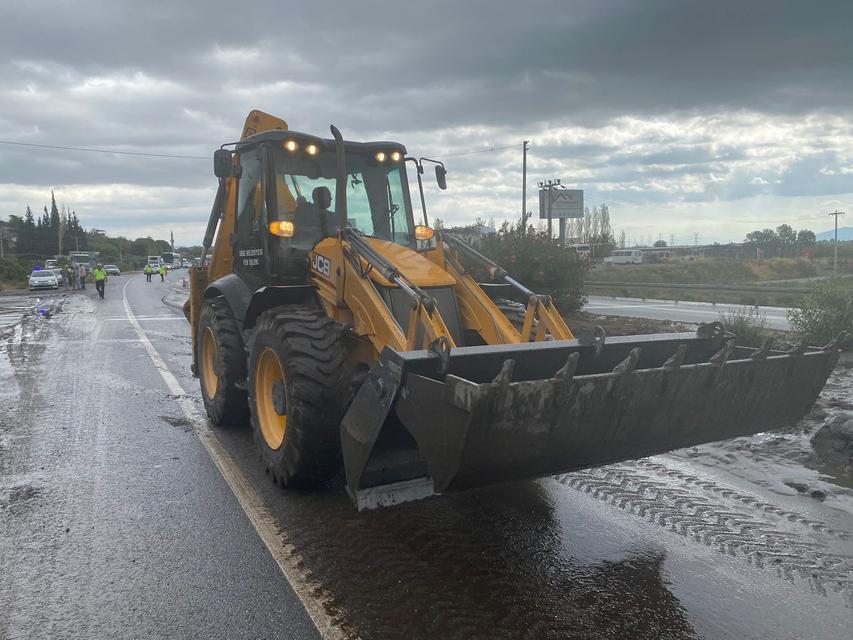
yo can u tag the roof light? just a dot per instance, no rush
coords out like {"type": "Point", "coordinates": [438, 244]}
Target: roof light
{"type": "Point", "coordinates": [282, 228]}
{"type": "Point", "coordinates": [423, 233]}
{"type": "Point", "coordinates": [291, 145]}
{"type": "Point", "coordinates": [395, 156]}
{"type": "Point", "coordinates": [311, 149]}
{"type": "Point", "coordinates": [380, 156]}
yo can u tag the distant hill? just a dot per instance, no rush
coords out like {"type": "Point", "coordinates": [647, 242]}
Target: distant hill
{"type": "Point", "coordinates": [844, 233]}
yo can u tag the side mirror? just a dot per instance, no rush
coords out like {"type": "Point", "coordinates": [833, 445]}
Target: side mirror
{"type": "Point", "coordinates": [441, 177]}
{"type": "Point", "coordinates": [222, 159]}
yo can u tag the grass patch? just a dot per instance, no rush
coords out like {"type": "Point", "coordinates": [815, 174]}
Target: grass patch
{"type": "Point", "coordinates": [710, 271]}
{"type": "Point", "coordinates": [748, 324]}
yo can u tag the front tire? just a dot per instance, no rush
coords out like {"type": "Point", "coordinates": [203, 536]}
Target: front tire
{"type": "Point", "coordinates": [298, 392]}
{"type": "Point", "coordinates": [221, 364]}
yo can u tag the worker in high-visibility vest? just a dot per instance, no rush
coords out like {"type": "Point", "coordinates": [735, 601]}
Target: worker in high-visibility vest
{"type": "Point", "coordinates": [100, 279]}
{"type": "Point", "coordinates": [148, 271]}
{"type": "Point", "coordinates": [162, 272]}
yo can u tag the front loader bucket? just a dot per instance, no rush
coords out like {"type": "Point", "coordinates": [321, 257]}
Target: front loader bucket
{"type": "Point", "coordinates": [508, 412]}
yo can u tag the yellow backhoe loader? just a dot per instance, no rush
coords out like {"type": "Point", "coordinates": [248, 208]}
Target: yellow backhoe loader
{"type": "Point", "coordinates": [348, 333]}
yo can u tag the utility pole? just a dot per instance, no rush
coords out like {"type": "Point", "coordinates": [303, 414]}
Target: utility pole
{"type": "Point", "coordinates": [524, 188]}
{"type": "Point", "coordinates": [835, 253]}
{"type": "Point", "coordinates": [2, 250]}
{"type": "Point", "coordinates": [551, 186]}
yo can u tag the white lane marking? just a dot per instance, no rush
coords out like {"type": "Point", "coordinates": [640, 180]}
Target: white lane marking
{"type": "Point", "coordinates": [274, 538]}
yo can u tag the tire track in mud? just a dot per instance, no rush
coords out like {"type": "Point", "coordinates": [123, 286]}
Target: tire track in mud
{"type": "Point", "coordinates": [645, 488]}
{"type": "Point", "coordinates": [752, 501]}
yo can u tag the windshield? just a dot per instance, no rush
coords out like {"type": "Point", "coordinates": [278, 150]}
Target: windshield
{"type": "Point", "coordinates": [377, 202]}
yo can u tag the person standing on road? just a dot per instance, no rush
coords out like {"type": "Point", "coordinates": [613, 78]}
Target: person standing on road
{"type": "Point", "coordinates": [100, 279]}
{"type": "Point", "coordinates": [162, 271]}
{"type": "Point", "coordinates": [81, 275]}
{"type": "Point", "coordinates": [66, 277]}
{"type": "Point", "coordinates": [148, 271]}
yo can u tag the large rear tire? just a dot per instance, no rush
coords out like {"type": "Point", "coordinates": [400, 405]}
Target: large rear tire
{"type": "Point", "coordinates": [221, 364]}
{"type": "Point", "coordinates": [298, 392]}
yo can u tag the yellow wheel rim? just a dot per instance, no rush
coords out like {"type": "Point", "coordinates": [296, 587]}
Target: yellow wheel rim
{"type": "Point", "coordinates": [209, 378]}
{"type": "Point", "coordinates": [271, 398]}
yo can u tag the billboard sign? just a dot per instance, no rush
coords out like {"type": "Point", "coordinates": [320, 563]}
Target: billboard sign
{"type": "Point", "coordinates": [565, 203]}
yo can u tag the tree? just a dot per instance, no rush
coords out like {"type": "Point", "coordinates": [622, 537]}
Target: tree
{"type": "Point", "coordinates": [764, 241]}
{"type": "Point", "coordinates": [539, 262]}
{"type": "Point", "coordinates": [659, 243]}
{"type": "Point", "coordinates": [805, 237]}
{"type": "Point", "coordinates": [787, 239]}
{"type": "Point", "coordinates": [622, 239]}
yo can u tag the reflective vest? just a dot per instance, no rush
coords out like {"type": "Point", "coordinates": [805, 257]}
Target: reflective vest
{"type": "Point", "coordinates": [99, 274]}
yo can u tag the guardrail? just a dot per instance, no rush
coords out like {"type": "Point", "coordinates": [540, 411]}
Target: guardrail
{"type": "Point", "coordinates": [737, 288]}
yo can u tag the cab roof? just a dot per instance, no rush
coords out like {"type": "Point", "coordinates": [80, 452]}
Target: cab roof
{"type": "Point", "coordinates": [324, 144]}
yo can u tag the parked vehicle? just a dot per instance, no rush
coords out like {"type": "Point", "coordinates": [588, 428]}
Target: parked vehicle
{"type": "Point", "coordinates": [584, 251]}
{"type": "Point", "coordinates": [154, 262]}
{"type": "Point", "coordinates": [625, 256]}
{"type": "Point", "coordinates": [60, 276]}
{"type": "Point", "coordinates": [50, 264]}
{"type": "Point", "coordinates": [112, 270]}
{"type": "Point", "coordinates": [43, 279]}
{"type": "Point", "coordinates": [86, 258]}
{"type": "Point", "coordinates": [171, 259]}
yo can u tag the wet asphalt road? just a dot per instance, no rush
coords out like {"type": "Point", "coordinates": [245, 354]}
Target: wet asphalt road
{"type": "Point", "coordinates": [775, 317]}
{"type": "Point", "coordinates": [115, 522]}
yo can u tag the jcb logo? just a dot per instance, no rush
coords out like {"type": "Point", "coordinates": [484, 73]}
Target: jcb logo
{"type": "Point", "coordinates": [320, 264]}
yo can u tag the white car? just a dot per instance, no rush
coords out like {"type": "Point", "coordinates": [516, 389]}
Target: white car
{"type": "Point", "coordinates": [43, 279]}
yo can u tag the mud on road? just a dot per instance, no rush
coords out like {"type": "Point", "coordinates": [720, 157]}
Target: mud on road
{"type": "Point", "coordinates": [711, 542]}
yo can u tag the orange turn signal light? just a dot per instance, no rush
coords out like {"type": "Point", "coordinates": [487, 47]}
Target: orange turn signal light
{"type": "Point", "coordinates": [424, 233]}
{"type": "Point", "coordinates": [282, 228]}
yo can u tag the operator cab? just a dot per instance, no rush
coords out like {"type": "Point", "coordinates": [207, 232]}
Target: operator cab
{"type": "Point", "coordinates": [286, 195]}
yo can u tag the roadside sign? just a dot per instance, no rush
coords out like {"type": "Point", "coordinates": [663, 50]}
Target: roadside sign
{"type": "Point", "coordinates": [565, 203]}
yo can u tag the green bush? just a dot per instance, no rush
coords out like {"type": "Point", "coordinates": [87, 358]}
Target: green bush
{"type": "Point", "coordinates": [539, 263]}
{"type": "Point", "coordinates": [13, 272]}
{"type": "Point", "coordinates": [825, 313]}
{"type": "Point", "coordinates": [747, 323]}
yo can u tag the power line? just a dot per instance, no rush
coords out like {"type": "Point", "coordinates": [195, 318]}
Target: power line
{"type": "Point", "coordinates": [469, 153]}
{"type": "Point", "coordinates": [184, 157]}
{"type": "Point", "coordinates": [89, 150]}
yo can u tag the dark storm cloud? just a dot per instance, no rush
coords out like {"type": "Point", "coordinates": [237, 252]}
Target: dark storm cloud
{"type": "Point", "coordinates": [444, 77]}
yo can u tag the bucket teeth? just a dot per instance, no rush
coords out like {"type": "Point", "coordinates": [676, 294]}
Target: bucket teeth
{"type": "Point", "coordinates": [798, 350]}
{"type": "Point", "coordinates": [567, 371]}
{"type": "Point", "coordinates": [722, 356]}
{"type": "Point", "coordinates": [505, 376]}
{"type": "Point", "coordinates": [837, 342]}
{"type": "Point", "coordinates": [763, 351]}
{"type": "Point", "coordinates": [676, 359]}
{"type": "Point", "coordinates": [629, 363]}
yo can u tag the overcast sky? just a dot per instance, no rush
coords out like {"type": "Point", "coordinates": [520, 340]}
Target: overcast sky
{"type": "Point", "coordinates": [709, 118]}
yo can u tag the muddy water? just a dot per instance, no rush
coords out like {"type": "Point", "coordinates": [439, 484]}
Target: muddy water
{"type": "Point", "coordinates": [669, 547]}
{"type": "Point", "coordinates": [681, 546]}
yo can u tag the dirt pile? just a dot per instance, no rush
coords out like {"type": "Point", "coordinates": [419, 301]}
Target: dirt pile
{"type": "Point", "coordinates": [833, 443]}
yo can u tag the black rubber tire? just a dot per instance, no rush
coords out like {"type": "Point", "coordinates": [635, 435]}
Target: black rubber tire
{"type": "Point", "coordinates": [515, 312]}
{"type": "Point", "coordinates": [230, 404]}
{"type": "Point", "coordinates": [311, 352]}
